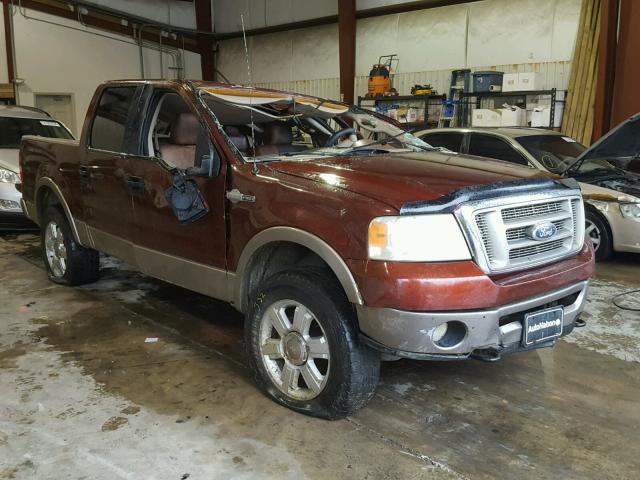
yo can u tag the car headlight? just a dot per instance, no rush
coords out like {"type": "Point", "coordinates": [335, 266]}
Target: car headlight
{"type": "Point", "coordinates": [630, 210]}
{"type": "Point", "coordinates": [417, 238]}
{"type": "Point", "coordinates": [7, 176]}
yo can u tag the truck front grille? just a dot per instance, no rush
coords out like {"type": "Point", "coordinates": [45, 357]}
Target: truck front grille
{"type": "Point", "coordinates": [504, 233]}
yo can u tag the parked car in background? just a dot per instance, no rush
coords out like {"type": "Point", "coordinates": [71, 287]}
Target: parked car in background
{"type": "Point", "coordinates": [340, 236]}
{"type": "Point", "coordinates": [606, 171]}
{"type": "Point", "coordinates": [16, 121]}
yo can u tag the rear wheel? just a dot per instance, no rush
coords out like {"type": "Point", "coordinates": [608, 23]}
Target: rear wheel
{"type": "Point", "coordinates": [598, 232]}
{"type": "Point", "coordinates": [302, 343]}
{"type": "Point", "coordinates": [66, 261]}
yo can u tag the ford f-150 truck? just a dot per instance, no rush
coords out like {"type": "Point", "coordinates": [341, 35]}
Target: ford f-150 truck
{"type": "Point", "coordinates": [342, 238]}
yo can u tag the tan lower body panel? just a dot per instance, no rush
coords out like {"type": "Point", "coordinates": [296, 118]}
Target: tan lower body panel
{"type": "Point", "coordinates": [205, 279]}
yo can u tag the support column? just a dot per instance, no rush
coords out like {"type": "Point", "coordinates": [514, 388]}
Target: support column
{"type": "Point", "coordinates": [204, 22]}
{"type": "Point", "coordinates": [8, 39]}
{"type": "Point", "coordinates": [347, 48]}
{"type": "Point", "coordinates": [607, 47]}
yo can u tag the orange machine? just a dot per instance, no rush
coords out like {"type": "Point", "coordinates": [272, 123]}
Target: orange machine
{"type": "Point", "coordinates": [379, 83]}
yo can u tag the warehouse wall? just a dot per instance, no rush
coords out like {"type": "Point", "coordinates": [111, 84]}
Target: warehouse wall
{"type": "Point", "coordinates": [54, 59]}
{"type": "Point", "coordinates": [522, 35]}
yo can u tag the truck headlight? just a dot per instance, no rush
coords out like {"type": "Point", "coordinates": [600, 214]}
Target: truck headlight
{"type": "Point", "coordinates": [417, 238]}
{"type": "Point", "coordinates": [630, 210]}
{"type": "Point", "coordinates": [7, 176]}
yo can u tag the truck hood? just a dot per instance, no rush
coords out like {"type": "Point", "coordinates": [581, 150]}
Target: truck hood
{"type": "Point", "coordinates": [9, 159]}
{"type": "Point", "coordinates": [397, 179]}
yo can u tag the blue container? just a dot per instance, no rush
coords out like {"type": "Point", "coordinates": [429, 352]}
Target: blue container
{"type": "Point", "coordinates": [482, 81]}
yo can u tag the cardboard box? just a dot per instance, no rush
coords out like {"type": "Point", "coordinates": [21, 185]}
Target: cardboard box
{"type": "Point", "coordinates": [513, 117]}
{"type": "Point", "coordinates": [510, 82]}
{"type": "Point", "coordinates": [541, 116]}
{"type": "Point", "coordinates": [530, 81]}
{"type": "Point", "coordinates": [484, 117]}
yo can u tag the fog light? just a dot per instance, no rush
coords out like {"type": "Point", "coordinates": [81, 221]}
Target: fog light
{"type": "Point", "coordinates": [439, 332]}
{"type": "Point", "coordinates": [449, 334]}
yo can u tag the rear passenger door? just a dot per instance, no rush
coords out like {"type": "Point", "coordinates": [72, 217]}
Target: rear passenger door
{"type": "Point", "coordinates": [104, 185]}
{"type": "Point", "coordinates": [449, 140]}
{"type": "Point", "coordinates": [491, 146]}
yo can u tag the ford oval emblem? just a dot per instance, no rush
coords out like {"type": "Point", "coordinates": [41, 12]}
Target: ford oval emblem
{"type": "Point", "coordinates": [542, 231]}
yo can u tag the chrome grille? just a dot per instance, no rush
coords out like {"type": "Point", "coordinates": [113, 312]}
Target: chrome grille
{"type": "Point", "coordinates": [503, 239]}
{"type": "Point", "coordinates": [535, 249]}
{"type": "Point", "coordinates": [531, 210]}
{"type": "Point", "coordinates": [521, 232]}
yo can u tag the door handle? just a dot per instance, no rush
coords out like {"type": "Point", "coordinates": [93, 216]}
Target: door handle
{"type": "Point", "coordinates": [135, 185]}
{"type": "Point", "coordinates": [85, 175]}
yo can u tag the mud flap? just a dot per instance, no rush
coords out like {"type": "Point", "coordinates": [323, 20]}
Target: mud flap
{"type": "Point", "coordinates": [185, 199]}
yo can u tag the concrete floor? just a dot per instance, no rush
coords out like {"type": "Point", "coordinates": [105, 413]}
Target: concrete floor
{"type": "Point", "coordinates": [83, 395]}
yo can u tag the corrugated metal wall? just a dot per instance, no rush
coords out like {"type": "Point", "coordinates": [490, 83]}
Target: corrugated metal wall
{"type": "Point", "coordinates": [556, 75]}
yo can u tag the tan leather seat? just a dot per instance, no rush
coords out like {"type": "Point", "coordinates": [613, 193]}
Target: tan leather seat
{"type": "Point", "coordinates": [181, 149]}
{"type": "Point", "coordinates": [277, 138]}
{"type": "Point", "coordinates": [238, 138]}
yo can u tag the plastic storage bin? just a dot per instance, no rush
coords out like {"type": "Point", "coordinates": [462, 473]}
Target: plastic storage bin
{"type": "Point", "coordinates": [482, 81]}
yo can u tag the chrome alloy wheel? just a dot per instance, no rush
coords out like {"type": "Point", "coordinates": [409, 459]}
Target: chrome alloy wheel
{"type": "Point", "coordinates": [294, 349]}
{"type": "Point", "coordinates": [594, 234]}
{"type": "Point", "coordinates": [55, 249]}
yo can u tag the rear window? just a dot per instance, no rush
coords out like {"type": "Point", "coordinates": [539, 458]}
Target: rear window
{"type": "Point", "coordinates": [110, 122]}
{"type": "Point", "coordinates": [12, 130]}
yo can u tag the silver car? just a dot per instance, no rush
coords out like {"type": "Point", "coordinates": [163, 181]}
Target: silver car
{"type": "Point", "coordinates": [15, 122]}
{"type": "Point", "coordinates": [606, 171]}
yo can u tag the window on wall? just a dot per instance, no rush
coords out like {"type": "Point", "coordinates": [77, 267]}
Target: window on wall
{"type": "Point", "coordinates": [110, 121]}
{"type": "Point", "coordinates": [494, 147]}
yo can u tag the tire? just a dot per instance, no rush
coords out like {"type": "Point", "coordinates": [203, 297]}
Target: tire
{"type": "Point", "coordinates": [66, 261]}
{"type": "Point", "coordinates": [599, 233]}
{"type": "Point", "coordinates": [315, 307]}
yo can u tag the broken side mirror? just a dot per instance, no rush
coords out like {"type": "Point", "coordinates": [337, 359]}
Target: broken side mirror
{"type": "Point", "coordinates": [185, 198]}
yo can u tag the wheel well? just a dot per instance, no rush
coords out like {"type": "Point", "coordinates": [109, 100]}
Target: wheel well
{"type": "Point", "coordinates": [277, 257]}
{"type": "Point", "coordinates": [603, 219]}
{"type": "Point", "coordinates": [44, 198]}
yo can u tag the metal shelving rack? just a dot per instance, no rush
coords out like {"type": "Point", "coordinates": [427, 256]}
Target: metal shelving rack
{"type": "Point", "coordinates": [426, 100]}
{"type": "Point", "coordinates": [479, 96]}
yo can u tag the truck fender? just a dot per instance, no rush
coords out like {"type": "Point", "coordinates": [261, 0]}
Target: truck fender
{"type": "Point", "coordinates": [46, 182]}
{"type": "Point", "coordinates": [305, 239]}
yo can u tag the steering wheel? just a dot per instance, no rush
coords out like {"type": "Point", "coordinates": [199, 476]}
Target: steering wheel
{"type": "Point", "coordinates": [333, 139]}
{"type": "Point", "coordinates": [549, 162]}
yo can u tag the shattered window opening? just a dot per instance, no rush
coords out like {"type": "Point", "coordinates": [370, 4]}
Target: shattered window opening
{"type": "Point", "coordinates": [293, 125]}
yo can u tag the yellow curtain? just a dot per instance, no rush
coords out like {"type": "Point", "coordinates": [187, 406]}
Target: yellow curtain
{"type": "Point", "coordinates": [578, 116]}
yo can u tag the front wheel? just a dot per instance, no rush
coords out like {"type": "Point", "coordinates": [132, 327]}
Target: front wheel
{"type": "Point", "coordinates": [66, 261]}
{"type": "Point", "coordinates": [303, 346]}
{"type": "Point", "coordinates": [598, 232]}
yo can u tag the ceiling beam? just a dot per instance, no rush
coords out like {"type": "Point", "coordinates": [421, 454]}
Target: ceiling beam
{"type": "Point", "coordinates": [113, 23]}
{"type": "Point", "coordinates": [332, 19]}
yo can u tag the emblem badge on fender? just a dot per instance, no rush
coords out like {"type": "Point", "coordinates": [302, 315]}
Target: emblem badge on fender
{"type": "Point", "coordinates": [542, 231]}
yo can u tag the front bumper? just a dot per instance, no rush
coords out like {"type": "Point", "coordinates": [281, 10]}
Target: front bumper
{"type": "Point", "coordinates": [409, 334]}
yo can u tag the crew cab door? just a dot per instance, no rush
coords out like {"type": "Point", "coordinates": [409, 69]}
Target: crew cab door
{"type": "Point", "coordinates": [176, 138]}
{"type": "Point", "coordinates": [107, 207]}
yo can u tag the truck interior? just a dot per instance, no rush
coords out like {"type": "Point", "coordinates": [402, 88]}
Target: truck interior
{"type": "Point", "coordinates": [264, 125]}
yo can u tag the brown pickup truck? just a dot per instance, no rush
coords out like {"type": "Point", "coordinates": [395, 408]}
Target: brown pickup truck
{"type": "Point", "coordinates": [342, 238]}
